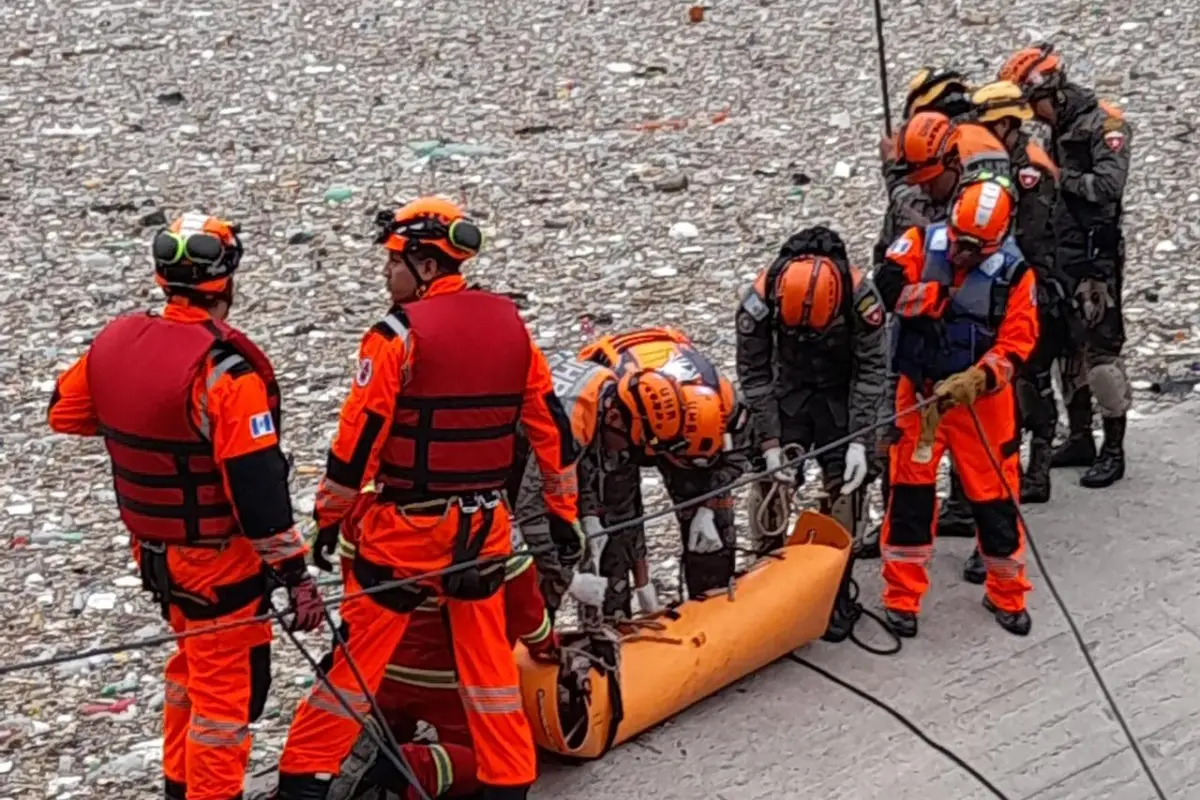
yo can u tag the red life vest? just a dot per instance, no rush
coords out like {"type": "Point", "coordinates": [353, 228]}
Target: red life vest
{"type": "Point", "coordinates": [454, 429]}
{"type": "Point", "coordinates": [141, 370]}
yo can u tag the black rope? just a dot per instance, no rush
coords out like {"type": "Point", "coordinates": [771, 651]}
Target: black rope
{"type": "Point", "coordinates": [903, 720]}
{"type": "Point", "coordinates": [331, 602]}
{"type": "Point", "coordinates": [883, 76]}
{"type": "Point", "coordinates": [1083, 648]}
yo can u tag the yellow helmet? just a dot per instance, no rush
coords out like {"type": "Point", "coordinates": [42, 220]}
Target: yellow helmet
{"type": "Point", "coordinates": [1001, 100]}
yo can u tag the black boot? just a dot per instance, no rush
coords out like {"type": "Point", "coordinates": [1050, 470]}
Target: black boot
{"type": "Point", "coordinates": [845, 611]}
{"type": "Point", "coordinates": [973, 570]}
{"type": "Point", "coordinates": [1035, 483]}
{"type": "Point", "coordinates": [302, 787]}
{"type": "Point", "coordinates": [955, 517]}
{"type": "Point", "coordinates": [902, 623]}
{"type": "Point", "coordinates": [867, 547]}
{"type": "Point", "coordinates": [505, 792]}
{"type": "Point", "coordinates": [1110, 464]}
{"type": "Point", "coordinates": [1015, 622]}
{"type": "Point", "coordinates": [174, 790]}
{"type": "Point", "coordinates": [1079, 449]}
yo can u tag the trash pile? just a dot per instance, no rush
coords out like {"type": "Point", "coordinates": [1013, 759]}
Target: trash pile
{"type": "Point", "coordinates": [631, 163]}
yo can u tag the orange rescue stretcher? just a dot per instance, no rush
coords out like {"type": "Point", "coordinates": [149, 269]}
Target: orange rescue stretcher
{"type": "Point", "coordinates": [656, 666]}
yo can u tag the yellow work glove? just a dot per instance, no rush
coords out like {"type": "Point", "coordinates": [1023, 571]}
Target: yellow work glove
{"type": "Point", "coordinates": [930, 417]}
{"type": "Point", "coordinates": [962, 388]}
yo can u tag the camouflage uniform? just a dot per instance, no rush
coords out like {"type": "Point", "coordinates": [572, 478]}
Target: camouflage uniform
{"type": "Point", "coordinates": [811, 387]}
{"type": "Point", "coordinates": [1092, 147]}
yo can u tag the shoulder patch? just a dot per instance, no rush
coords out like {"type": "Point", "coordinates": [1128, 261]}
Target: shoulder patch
{"type": "Point", "coordinates": [261, 425]}
{"type": "Point", "coordinates": [1029, 177]}
{"type": "Point", "coordinates": [870, 309]}
{"type": "Point", "coordinates": [366, 369]}
{"type": "Point", "coordinates": [754, 305]}
{"type": "Point", "coordinates": [1115, 140]}
{"type": "Point", "coordinates": [900, 247]}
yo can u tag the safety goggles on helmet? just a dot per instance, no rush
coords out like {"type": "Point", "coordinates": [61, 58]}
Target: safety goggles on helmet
{"type": "Point", "coordinates": [462, 234]}
{"type": "Point", "coordinates": [196, 257]}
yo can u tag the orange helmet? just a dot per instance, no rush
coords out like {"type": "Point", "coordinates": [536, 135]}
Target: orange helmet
{"type": "Point", "coordinates": [652, 404]}
{"type": "Point", "coordinates": [704, 419]}
{"type": "Point", "coordinates": [808, 293]}
{"type": "Point", "coordinates": [429, 222]}
{"type": "Point", "coordinates": [1034, 69]}
{"type": "Point", "coordinates": [196, 254]}
{"type": "Point", "coordinates": [923, 145]}
{"type": "Point", "coordinates": [981, 216]}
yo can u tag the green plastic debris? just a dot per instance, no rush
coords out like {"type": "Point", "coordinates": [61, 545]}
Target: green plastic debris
{"type": "Point", "coordinates": [114, 689]}
{"type": "Point", "coordinates": [435, 149]}
{"type": "Point", "coordinates": [338, 194]}
{"type": "Point", "coordinates": [796, 193]}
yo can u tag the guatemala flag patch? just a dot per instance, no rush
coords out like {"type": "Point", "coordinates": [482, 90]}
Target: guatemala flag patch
{"type": "Point", "coordinates": [261, 425]}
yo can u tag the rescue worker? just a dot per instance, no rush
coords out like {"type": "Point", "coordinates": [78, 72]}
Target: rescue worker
{"type": "Point", "coordinates": [420, 685]}
{"type": "Point", "coordinates": [190, 415]}
{"type": "Point", "coordinates": [442, 382]}
{"type": "Point", "coordinates": [677, 413]}
{"type": "Point", "coordinates": [588, 392]}
{"type": "Point", "coordinates": [942, 90]}
{"type": "Point", "coordinates": [967, 309]}
{"type": "Point", "coordinates": [812, 363]}
{"type": "Point", "coordinates": [945, 91]}
{"type": "Point", "coordinates": [1091, 143]}
{"type": "Point", "coordinates": [1002, 107]}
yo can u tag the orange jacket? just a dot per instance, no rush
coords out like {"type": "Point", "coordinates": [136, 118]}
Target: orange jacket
{"type": "Point", "coordinates": [367, 415]}
{"type": "Point", "coordinates": [1018, 331]}
{"type": "Point", "coordinates": [230, 403]}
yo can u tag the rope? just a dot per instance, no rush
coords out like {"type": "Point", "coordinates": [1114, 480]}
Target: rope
{"type": "Point", "coordinates": [425, 577]}
{"type": "Point", "coordinates": [387, 743]}
{"type": "Point", "coordinates": [1083, 648]}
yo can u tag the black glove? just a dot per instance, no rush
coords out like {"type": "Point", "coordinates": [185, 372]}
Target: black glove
{"type": "Point", "coordinates": [325, 546]}
{"type": "Point", "coordinates": [570, 540]}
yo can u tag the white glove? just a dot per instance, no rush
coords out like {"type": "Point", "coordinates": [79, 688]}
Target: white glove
{"type": "Point", "coordinates": [856, 467]}
{"type": "Point", "coordinates": [703, 536]}
{"type": "Point", "coordinates": [588, 590]}
{"type": "Point", "coordinates": [774, 458]}
{"type": "Point", "coordinates": [596, 541]}
{"type": "Point", "coordinates": [647, 599]}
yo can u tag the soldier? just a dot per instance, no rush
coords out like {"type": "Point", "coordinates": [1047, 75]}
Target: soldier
{"type": "Point", "coordinates": [1091, 142]}
{"type": "Point", "coordinates": [812, 362]}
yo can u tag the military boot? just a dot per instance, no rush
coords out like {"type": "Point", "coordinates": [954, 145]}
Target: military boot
{"type": "Point", "coordinates": [1079, 449]}
{"type": "Point", "coordinates": [974, 570]}
{"type": "Point", "coordinates": [1109, 466]}
{"type": "Point", "coordinates": [1015, 622]}
{"type": "Point", "coordinates": [1035, 483]}
{"type": "Point", "coordinates": [174, 790]}
{"type": "Point", "coordinates": [955, 517]}
{"type": "Point", "coordinates": [505, 792]}
{"type": "Point", "coordinates": [902, 623]}
{"type": "Point", "coordinates": [302, 787]}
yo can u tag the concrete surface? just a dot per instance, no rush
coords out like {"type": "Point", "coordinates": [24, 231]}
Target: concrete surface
{"type": "Point", "coordinates": [1026, 713]}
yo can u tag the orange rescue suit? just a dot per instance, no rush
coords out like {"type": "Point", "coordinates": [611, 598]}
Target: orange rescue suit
{"type": "Point", "coordinates": [441, 384]}
{"type": "Point", "coordinates": [190, 415]}
{"type": "Point", "coordinates": [910, 521]}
